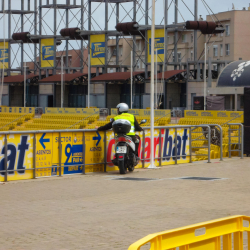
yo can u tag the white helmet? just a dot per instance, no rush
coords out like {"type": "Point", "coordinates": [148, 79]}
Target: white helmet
{"type": "Point", "coordinates": [122, 107]}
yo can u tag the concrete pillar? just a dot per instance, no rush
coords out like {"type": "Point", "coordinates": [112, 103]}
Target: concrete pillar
{"type": "Point", "coordinates": [235, 101]}
{"type": "Point", "coordinates": [231, 102]}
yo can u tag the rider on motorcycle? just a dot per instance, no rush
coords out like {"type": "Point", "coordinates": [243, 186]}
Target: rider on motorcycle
{"type": "Point", "coordinates": [122, 110]}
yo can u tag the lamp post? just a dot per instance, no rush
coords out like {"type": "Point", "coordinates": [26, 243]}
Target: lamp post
{"type": "Point", "coordinates": [1, 96]}
{"type": "Point", "coordinates": [152, 87]}
{"type": "Point", "coordinates": [24, 84]}
{"type": "Point", "coordinates": [61, 81]}
{"type": "Point", "coordinates": [205, 76]}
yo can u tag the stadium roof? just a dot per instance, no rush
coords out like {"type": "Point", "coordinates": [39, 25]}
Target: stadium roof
{"type": "Point", "coordinates": [235, 74]}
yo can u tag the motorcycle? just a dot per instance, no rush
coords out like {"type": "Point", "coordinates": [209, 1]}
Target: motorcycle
{"type": "Point", "coordinates": [125, 157]}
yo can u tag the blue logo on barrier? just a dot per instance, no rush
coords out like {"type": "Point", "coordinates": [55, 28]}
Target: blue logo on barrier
{"type": "Point", "coordinates": [97, 138]}
{"type": "Point", "coordinates": [42, 140]}
{"type": "Point", "coordinates": [159, 45]}
{"type": "Point", "coordinates": [48, 52]}
{"type": "Point", "coordinates": [98, 50]}
{"type": "Point", "coordinates": [4, 55]}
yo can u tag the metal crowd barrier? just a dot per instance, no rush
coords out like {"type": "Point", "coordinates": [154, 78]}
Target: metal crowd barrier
{"type": "Point", "coordinates": [240, 139]}
{"type": "Point", "coordinates": [143, 160]}
{"type": "Point", "coordinates": [206, 235]}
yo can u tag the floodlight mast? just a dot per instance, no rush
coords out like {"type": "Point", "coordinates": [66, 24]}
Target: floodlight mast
{"type": "Point", "coordinates": [152, 86]}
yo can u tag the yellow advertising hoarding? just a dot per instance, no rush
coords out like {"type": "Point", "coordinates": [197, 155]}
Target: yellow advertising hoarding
{"type": "Point", "coordinates": [17, 110]}
{"type": "Point", "coordinates": [47, 52]}
{"type": "Point", "coordinates": [158, 45]}
{"type": "Point", "coordinates": [20, 156]}
{"type": "Point", "coordinates": [97, 49]}
{"type": "Point", "coordinates": [146, 112]}
{"type": "Point", "coordinates": [4, 55]}
{"type": "Point", "coordinates": [167, 148]}
{"type": "Point", "coordinates": [87, 111]}
{"type": "Point", "coordinates": [74, 152]}
{"type": "Point", "coordinates": [227, 115]}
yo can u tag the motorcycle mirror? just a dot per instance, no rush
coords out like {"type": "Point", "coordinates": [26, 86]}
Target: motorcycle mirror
{"type": "Point", "coordinates": [143, 121]}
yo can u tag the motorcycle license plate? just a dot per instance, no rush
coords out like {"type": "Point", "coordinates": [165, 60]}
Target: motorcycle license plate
{"type": "Point", "coordinates": [121, 149]}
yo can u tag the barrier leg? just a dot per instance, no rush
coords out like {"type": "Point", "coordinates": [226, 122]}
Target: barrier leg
{"type": "Point", "coordinates": [227, 241]}
{"type": "Point", "coordinates": [175, 145]}
{"type": "Point", "coordinates": [83, 153]}
{"type": "Point", "coordinates": [5, 158]}
{"type": "Point", "coordinates": [105, 151]}
{"type": "Point", "coordinates": [209, 144]}
{"type": "Point", "coordinates": [143, 149]}
{"type": "Point", "coordinates": [238, 241]}
{"type": "Point", "coordinates": [34, 156]}
{"type": "Point", "coordinates": [190, 144]}
{"type": "Point", "coordinates": [60, 154]}
{"type": "Point", "coordinates": [160, 153]}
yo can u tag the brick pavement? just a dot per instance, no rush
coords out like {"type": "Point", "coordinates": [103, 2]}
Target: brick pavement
{"type": "Point", "coordinates": [96, 212]}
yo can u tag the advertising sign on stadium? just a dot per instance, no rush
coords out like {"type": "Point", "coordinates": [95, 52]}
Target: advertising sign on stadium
{"type": "Point", "coordinates": [17, 110]}
{"type": "Point", "coordinates": [4, 55]}
{"type": "Point", "coordinates": [93, 111]}
{"type": "Point", "coordinates": [98, 49]}
{"type": "Point", "coordinates": [227, 115]}
{"type": "Point", "coordinates": [146, 112]}
{"type": "Point", "coordinates": [48, 52]}
{"type": "Point", "coordinates": [158, 45]}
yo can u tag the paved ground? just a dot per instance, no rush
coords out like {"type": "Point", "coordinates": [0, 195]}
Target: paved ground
{"type": "Point", "coordinates": [96, 212]}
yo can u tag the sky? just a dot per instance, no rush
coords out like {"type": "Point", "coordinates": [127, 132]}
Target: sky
{"type": "Point", "coordinates": [98, 17]}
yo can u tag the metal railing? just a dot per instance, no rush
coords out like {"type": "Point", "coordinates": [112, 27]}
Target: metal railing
{"type": "Point", "coordinates": [160, 157]}
{"type": "Point", "coordinates": [240, 137]}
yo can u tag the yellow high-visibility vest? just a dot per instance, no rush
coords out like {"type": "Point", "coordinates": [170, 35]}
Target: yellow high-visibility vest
{"type": "Point", "coordinates": [130, 118]}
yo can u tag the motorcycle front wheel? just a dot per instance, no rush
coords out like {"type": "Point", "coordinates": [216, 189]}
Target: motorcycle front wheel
{"type": "Point", "coordinates": [121, 167]}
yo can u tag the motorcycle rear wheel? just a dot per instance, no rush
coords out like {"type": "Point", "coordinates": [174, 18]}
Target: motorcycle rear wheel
{"type": "Point", "coordinates": [121, 167]}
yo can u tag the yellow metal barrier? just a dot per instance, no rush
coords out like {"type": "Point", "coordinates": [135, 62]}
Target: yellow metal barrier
{"type": "Point", "coordinates": [205, 236]}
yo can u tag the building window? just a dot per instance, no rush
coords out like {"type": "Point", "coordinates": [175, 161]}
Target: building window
{"type": "Point", "coordinates": [227, 48]}
{"type": "Point", "coordinates": [173, 56]}
{"type": "Point", "coordinates": [221, 50]}
{"type": "Point", "coordinates": [192, 38]}
{"type": "Point", "coordinates": [227, 30]}
{"type": "Point", "coordinates": [184, 38]}
{"type": "Point", "coordinates": [192, 55]}
{"type": "Point", "coordinates": [215, 68]}
{"type": "Point", "coordinates": [215, 50]}
{"type": "Point", "coordinates": [121, 50]}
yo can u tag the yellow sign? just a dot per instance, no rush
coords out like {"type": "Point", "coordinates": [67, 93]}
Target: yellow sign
{"type": "Point", "coordinates": [97, 49]}
{"type": "Point", "coordinates": [158, 45]}
{"type": "Point", "coordinates": [94, 151]}
{"type": "Point", "coordinates": [227, 115]}
{"type": "Point", "coordinates": [47, 53]}
{"type": "Point", "coordinates": [17, 110]}
{"type": "Point", "coordinates": [4, 55]}
{"type": "Point", "coordinates": [74, 151]}
{"type": "Point", "coordinates": [43, 154]}
{"type": "Point", "coordinates": [146, 112]}
{"type": "Point", "coordinates": [87, 111]}
{"type": "Point", "coordinates": [20, 156]}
